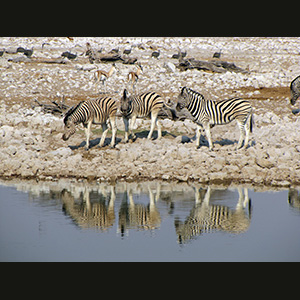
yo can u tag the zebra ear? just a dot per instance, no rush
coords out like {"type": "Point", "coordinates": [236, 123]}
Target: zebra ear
{"type": "Point", "coordinates": [181, 90]}
{"type": "Point", "coordinates": [125, 94]}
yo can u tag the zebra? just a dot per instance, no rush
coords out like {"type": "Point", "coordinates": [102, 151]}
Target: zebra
{"type": "Point", "coordinates": [94, 111]}
{"type": "Point", "coordinates": [139, 106]}
{"type": "Point", "coordinates": [207, 113]}
{"type": "Point", "coordinates": [295, 90]}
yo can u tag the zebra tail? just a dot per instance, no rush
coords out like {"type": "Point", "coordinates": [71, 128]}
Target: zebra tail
{"type": "Point", "coordinates": [251, 123]}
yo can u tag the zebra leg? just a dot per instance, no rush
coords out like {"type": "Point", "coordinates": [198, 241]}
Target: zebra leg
{"type": "Point", "coordinates": [198, 135]}
{"type": "Point", "coordinates": [242, 134]}
{"type": "Point", "coordinates": [87, 129]}
{"type": "Point", "coordinates": [114, 131]}
{"type": "Point", "coordinates": [131, 124]}
{"type": "Point", "coordinates": [207, 196]}
{"type": "Point", "coordinates": [158, 130]}
{"type": "Point", "coordinates": [104, 133]}
{"type": "Point", "coordinates": [208, 136]}
{"type": "Point", "coordinates": [153, 122]}
{"type": "Point", "coordinates": [126, 123]}
{"type": "Point", "coordinates": [247, 129]}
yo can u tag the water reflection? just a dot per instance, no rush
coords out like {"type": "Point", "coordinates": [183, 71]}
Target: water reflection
{"type": "Point", "coordinates": [91, 209]}
{"type": "Point", "coordinates": [139, 216]}
{"type": "Point", "coordinates": [205, 217]}
{"type": "Point", "coordinates": [125, 207]}
{"type": "Point", "coordinates": [294, 199]}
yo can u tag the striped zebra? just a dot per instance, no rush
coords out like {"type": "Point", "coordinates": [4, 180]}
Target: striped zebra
{"type": "Point", "coordinates": [295, 89]}
{"type": "Point", "coordinates": [208, 113]}
{"type": "Point", "coordinates": [95, 111]}
{"type": "Point", "coordinates": [139, 106]}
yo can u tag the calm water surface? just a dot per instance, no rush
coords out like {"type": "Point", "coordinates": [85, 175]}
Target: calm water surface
{"type": "Point", "coordinates": [65, 221]}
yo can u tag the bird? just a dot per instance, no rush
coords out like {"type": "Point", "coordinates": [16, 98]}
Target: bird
{"type": "Point", "coordinates": [28, 52]}
{"type": "Point", "coordinates": [44, 45]}
{"type": "Point", "coordinates": [114, 51]}
{"type": "Point", "coordinates": [180, 54]}
{"type": "Point", "coordinates": [20, 49]}
{"type": "Point", "coordinates": [176, 55]}
{"type": "Point", "coordinates": [183, 53]}
{"type": "Point", "coordinates": [217, 54]}
{"type": "Point", "coordinates": [127, 51]}
{"type": "Point", "coordinates": [69, 55]}
{"type": "Point", "coordinates": [155, 53]}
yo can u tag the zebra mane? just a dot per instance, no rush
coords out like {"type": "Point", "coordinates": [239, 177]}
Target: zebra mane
{"type": "Point", "coordinates": [189, 91]}
{"type": "Point", "coordinates": [71, 111]}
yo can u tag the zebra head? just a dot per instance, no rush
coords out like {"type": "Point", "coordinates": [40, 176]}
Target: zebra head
{"type": "Point", "coordinates": [69, 124]}
{"type": "Point", "coordinates": [69, 130]}
{"type": "Point", "coordinates": [183, 99]}
{"type": "Point", "coordinates": [126, 103]}
{"type": "Point", "coordinates": [294, 98]}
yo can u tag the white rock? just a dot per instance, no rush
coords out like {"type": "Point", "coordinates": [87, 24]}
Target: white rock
{"type": "Point", "coordinates": [62, 151]}
{"type": "Point", "coordinates": [170, 67]}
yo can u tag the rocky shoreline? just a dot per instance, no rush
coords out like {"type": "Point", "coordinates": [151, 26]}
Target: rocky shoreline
{"type": "Point", "coordinates": [31, 146]}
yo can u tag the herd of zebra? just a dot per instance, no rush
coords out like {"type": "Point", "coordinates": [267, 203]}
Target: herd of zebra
{"type": "Point", "coordinates": [205, 113]}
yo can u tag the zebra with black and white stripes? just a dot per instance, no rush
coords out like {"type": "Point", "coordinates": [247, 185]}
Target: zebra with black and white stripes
{"type": "Point", "coordinates": [94, 111]}
{"type": "Point", "coordinates": [140, 106]}
{"type": "Point", "coordinates": [295, 89]}
{"type": "Point", "coordinates": [207, 113]}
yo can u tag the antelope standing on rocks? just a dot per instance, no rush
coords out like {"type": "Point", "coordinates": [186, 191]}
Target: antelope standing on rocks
{"type": "Point", "coordinates": [134, 76]}
{"type": "Point", "coordinates": [102, 76]}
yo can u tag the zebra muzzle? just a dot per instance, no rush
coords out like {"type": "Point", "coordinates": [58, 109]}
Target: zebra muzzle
{"type": "Point", "coordinates": [179, 106]}
{"type": "Point", "coordinates": [65, 136]}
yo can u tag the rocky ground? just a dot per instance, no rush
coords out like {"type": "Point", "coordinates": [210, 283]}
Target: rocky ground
{"type": "Point", "coordinates": [31, 144]}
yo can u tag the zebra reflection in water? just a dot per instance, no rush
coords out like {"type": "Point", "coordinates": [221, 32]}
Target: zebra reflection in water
{"type": "Point", "coordinates": [294, 199]}
{"type": "Point", "coordinates": [205, 217]}
{"type": "Point", "coordinates": [139, 216]}
{"type": "Point", "coordinates": [89, 214]}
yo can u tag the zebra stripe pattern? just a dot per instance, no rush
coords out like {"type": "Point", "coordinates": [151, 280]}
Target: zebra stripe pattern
{"type": "Point", "coordinates": [208, 113]}
{"type": "Point", "coordinates": [295, 89]}
{"type": "Point", "coordinates": [97, 111]}
{"type": "Point", "coordinates": [140, 106]}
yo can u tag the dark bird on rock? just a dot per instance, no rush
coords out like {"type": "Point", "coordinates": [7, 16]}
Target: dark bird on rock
{"type": "Point", "coordinates": [114, 51]}
{"type": "Point", "coordinates": [69, 55]}
{"type": "Point", "coordinates": [183, 53]}
{"type": "Point", "coordinates": [127, 51]}
{"type": "Point", "coordinates": [28, 52]}
{"type": "Point", "coordinates": [20, 49]}
{"type": "Point", "coordinates": [217, 54]}
{"type": "Point", "coordinates": [180, 54]}
{"type": "Point", "coordinates": [155, 53]}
